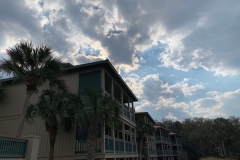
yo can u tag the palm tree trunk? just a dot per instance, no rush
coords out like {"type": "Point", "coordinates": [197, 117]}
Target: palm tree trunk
{"type": "Point", "coordinates": [24, 112]}
{"type": "Point", "coordinates": [92, 139]}
{"type": "Point", "coordinates": [140, 148]}
{"type": "Point", "coordinates": [52, 139]}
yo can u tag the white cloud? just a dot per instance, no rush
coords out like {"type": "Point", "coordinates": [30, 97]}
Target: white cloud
{"type": "Point", "coordinates": [152, 92]}
{"type": "Point", "coordinates": [218, 104]}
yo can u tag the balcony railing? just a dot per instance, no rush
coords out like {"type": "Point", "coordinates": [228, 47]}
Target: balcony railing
{"type": "Point", "coordinates": [130, 147]}
{"type": "Point", "coordinates": [81, 146]}
{"type": "Point", "coordinates": [164, 139]}
{"type": "Point", "coordinates": [152, 151]}
{"type": "Point", "coordinates": [177, 142]}
{"type": "Point", "coordinates": [108, 144]}
{"type": "Point", "coordinates": [125, 112]}
{"type": "Point", "coordinates": [119, 146]}
{"type": "Point", "coordinates": [179, 153]}
{"type": "Point", "coordinates": [12, 148]}
{"type": "Point", "coordinates": [165, 152]}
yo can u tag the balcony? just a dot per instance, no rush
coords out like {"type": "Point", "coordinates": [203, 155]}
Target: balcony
{"type": "Point", "coordinates": [152, 151]}
{"type": "Point", "coordinates": [165, 152]}
{"type": "Point", "coordinates": [163, 139]}
{"type": "Point", "coordinates": [127, 114]}
{"type": "Point", "coordinates": [130, 147]}
{"type": "Point", "coordinates": [176, 142]}
{"type": "Point", "coordinates": [81, 146]}
{"type": "Point", "coordinates": [179, 153]}
{"type": "Point", "coordinates": [12, 148]}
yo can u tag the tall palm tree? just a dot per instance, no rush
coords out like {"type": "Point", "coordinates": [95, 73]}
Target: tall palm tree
{"type": "Point", "coordinates": [33, 65]}
{"type": "Point", "coordinates": [53, 108]}
{"type": "Point", "coordinates": [97, 109]}
{"type": "Point", "coordinates": [142, 129]}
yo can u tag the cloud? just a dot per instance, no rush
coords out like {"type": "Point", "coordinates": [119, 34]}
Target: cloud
{"type": "Point", "coordinates": [209, 41]}
{"type": "Point", "coordinates": [155, 94]}
{"type": "Point", "coordinates": [218, 104]}
{"type": "Point", "coordinates": [153, 41]}
{"type": "Point", "coordinates": [195, 34]}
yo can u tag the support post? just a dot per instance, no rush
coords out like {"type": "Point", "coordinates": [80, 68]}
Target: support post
{"type": "Point", "coordinates": [32, 147]}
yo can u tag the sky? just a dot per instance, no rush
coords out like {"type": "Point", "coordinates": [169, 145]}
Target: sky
{"type": "Point", "coordinates": [180, 58]}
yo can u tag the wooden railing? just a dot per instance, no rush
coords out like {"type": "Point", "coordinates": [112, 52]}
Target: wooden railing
{"type": "Point", "coordinates": [12, 148]}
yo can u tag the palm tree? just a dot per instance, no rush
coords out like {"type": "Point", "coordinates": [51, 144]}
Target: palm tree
{"type": "Point", "coordinates": [97, 109]}
{"type": "Point", "coordinates": [53, 107]}
{"type": "Point", "coordinates": [33, 66]}
{"type": "Point", "coordinates": [142, 129]}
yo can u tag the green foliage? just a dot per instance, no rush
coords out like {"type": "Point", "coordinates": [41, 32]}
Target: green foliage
{"type": "Point", "coordinates": [144, 128]}
{"type": "Point", "coordinates": [92, 108]}
{"type": "Point", "coordinates": [34, 65]}
{"type": "Point", "coordinates": [94, 103]}
{"type": "Point", "coordinates": [202, 136]}
{"type": "Point", "coordinates": [53, 107]}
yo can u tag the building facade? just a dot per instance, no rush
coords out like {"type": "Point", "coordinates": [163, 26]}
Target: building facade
{"type": "Point", "coordinates": [110, 144]}
{"type": "Point", "coordinates": [149, 141]}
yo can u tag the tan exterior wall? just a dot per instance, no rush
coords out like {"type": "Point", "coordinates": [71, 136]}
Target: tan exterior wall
{"type": "Point", "coordinates": [10, 112]}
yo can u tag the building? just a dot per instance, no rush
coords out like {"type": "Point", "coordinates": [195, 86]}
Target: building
{"type": "Point", "coordinates": [149, 141]}
{"type": "Point", "coordinates": [110, 144]}
{"type": "Point", "coordinates": [162, 145]}
{"type": "Point", "coordinates": [177, 147]}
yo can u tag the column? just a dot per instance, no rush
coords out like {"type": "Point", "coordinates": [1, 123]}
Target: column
{"type": "Point", "coordinates": [135, 135]}
{"type": "Point", "coordinates": [32, 147]}
{"type": "Point", "coordinates": [131, 138]}
{"type": "Point", "coordinates": [103, 138]}
{"type": "Point", "coordinates": [113, 133]}
{"type": "Point", "coordinates": [123, 132]}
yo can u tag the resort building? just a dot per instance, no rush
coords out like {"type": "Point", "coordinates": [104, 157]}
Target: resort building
{"type": "Point", "coordinates": [177, 147]}
{"type": "Point", "coordinates": [163, 142]}
{"type": "Point", "coordinates": [110, 144]}
{"type": "Point", "coordinates": [149, 141]}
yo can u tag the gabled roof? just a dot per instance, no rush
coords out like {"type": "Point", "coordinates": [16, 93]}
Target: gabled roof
{"type": "Point", "coordinates": [104, 63]}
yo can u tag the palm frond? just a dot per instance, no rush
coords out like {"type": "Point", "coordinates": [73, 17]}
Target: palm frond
{"type": "Point", "coordinates": [34, 65]}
